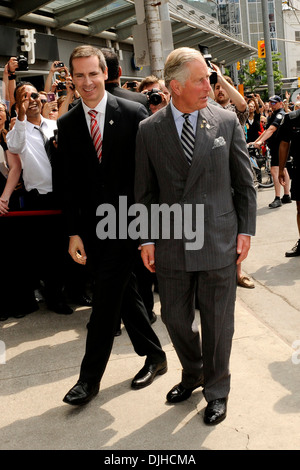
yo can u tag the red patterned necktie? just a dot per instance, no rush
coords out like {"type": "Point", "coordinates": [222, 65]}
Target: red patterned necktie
{"type": "Point", "coordinates": [96, 134]}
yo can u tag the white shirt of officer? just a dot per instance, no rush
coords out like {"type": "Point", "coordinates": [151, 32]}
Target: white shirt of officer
{"type": "Point", "coordinates": [27, 141]}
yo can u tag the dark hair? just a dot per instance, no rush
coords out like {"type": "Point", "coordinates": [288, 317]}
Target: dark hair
{"type": "Point", "coordinates": [112, 62]}
{"type": "Point", "coordinates": [20, 84]}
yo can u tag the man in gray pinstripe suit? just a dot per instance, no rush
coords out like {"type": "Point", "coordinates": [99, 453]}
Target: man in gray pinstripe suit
{"type": "Point", "coordinates": [219, 180]}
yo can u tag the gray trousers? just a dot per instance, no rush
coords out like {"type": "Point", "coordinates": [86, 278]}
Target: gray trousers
{"type": "Point", "coordinates": [210, 351]}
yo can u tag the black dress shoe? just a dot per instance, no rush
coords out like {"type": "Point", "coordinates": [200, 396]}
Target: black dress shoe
{"type": "Point", "coordinates": [180, 393]}
{"type": "Point", "coordinates": [60, 308]}
{"type": "Point", "coordinates": [3, 317]}
{"type": "Point", "coordinates": [295, 251]}
{"type": "Point", "coordinates": [147, 374]}
{"type": "Point", "coordinates": [81, 393]}
{"type": "Point", "coordinates": [215, 411]}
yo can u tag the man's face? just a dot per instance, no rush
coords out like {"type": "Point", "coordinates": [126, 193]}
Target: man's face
{"type": "Point", "coordinates": [275, 106]}
{"type": "Point", "coordinates": [221, 96]}
{"type": "Point", "coordinates": [193, 94]}
{"type": "Point", "coordinates": [89, 79]}
{"type": "Point", "coordinates": [35, 104]}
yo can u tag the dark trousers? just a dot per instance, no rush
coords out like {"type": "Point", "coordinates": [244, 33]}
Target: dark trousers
{"type": "Point", "coordinates": [210, 352]}
{"type": "Point", "coordinates": [17, 292]}
{"type": "Point", "coordinates": [111, 292]}
{"type": "Point", "coordinates": [47, 245]}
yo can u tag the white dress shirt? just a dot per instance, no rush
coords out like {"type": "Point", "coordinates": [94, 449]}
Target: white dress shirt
{"type": "Point", "coordinates": [27, 141]}
{"type": "Point", "coordinates": [179, 120]}
{"type": "Point", "coordinates": [100, 108]}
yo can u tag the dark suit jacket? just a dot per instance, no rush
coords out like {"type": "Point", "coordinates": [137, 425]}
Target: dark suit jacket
{"type": "Point", "coordinates": [116, 90]}
{"type": "Point", "coordinates": [88, 183]}
{"type": "Point", "coordinates": [219, 179]}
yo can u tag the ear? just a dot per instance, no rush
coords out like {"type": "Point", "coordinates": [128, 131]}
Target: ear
{"type": "Point", "coordinates": [176, 87]}
{"type": "Point", "coordinates": [120, 71]}
{"type": "Point", "coordinates": [105, 73]}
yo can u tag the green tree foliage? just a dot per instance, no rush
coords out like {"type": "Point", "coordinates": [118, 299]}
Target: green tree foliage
{"type": "Point", "coordinates": [254, 80]}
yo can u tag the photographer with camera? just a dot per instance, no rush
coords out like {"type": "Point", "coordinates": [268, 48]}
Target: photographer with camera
{"type": "Point", "coordinates": [56, 67]}
{"type": "Point", "coordinates": [152, 87]}
{"type": "Point", "coordinates": [223, 90]}
{"type": "Point", "coordinates": [229, 98]}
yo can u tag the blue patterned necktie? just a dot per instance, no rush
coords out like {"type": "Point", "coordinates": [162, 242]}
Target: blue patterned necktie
{"type": "Point", "coordinates": [188, 138]}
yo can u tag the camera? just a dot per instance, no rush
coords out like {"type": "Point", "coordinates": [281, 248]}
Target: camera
{"type": "Point", "coordinates": [131, 84]}
{"type": "Point", "coordinates": [51, 97]}
{"type": "Point", "coordinates": [154, 96]}
{"type": "Point", "coordinates": [213, 74]}
{"type": "Point", "coordinates": [22, 63]}
{"type": "Point", "coordinates": [59, 65]}
{"type": "Point", "coordinates": [61, 86]}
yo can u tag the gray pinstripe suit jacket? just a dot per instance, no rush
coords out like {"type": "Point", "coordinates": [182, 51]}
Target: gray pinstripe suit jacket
{"type": "Point", "coordinates": [220, 178]}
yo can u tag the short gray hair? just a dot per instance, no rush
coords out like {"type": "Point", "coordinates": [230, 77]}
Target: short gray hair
{"type": "Point", "coordinates": [175, 66]}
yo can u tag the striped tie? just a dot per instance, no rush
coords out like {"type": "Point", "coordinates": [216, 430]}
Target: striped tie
{"type": "Point", "coordinates": [96, 134]}
{"type": "Point", "coordinates": [188, 138]}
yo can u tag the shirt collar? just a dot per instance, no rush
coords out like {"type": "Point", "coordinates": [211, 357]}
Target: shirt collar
{"type": "Point", "coordinates": [30, 126]}
{"type": "Point", "coordinates": [100, 108]}
{"type": "Point", "coordinates": [178, 114]}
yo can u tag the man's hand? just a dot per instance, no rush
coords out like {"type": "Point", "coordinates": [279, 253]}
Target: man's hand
{"type": "Point", "coordinates": [76, 249]}
{"type": "Point", "coordinates": [148, 257]}
{"type": "Point", "coordinates": [12, 65]}
{"type": "Point", "coordinates": [22, 103]}
{"type": "Point", "coordinates": [282, 176]}
{"type": "Point", "coordinates": [243, 246]}
{"type": "Point", "coordinates": [257, 144]}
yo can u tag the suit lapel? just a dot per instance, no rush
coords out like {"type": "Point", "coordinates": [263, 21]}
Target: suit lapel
{"type": "Point", "coordinates": [112, 116]}
{"type": "Point", "coordinates": [170, 142]}
{"type": "Point", "coordinates": [205, 136]}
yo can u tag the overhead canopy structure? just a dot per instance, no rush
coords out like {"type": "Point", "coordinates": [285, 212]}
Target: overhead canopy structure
{"type": "Point", "coordinates": [114, 19]}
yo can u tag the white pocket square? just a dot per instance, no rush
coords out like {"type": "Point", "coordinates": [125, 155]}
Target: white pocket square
{"type": "Point", "coordinates": [219, 142]}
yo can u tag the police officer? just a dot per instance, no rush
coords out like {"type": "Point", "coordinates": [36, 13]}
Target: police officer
{"type": "Point", "coordinates": [270, 136]}
{"type": "Point", "coordinates": [289, 138]}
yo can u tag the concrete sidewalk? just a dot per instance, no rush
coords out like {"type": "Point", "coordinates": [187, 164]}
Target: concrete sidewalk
{"type": "Point", "coordinates": [44, 352]}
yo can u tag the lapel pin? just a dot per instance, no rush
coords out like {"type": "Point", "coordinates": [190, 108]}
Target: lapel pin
{"type": "Point", "coordinates": [111, 122]}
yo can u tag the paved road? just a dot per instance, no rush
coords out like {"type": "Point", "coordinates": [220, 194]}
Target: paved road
{"type": "Point", "coordinates": [44, 351]}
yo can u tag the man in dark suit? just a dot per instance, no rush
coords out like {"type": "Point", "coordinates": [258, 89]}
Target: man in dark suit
{"type": "Point", "coordinates": [145, 279]}
{"type": "Point", "coordinates": [96, 144]}
{"type": "Point", "coordinates": [192, 157]}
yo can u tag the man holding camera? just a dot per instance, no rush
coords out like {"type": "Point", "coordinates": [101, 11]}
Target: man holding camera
{"type": "Point", "coordinates": [156, 92]}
